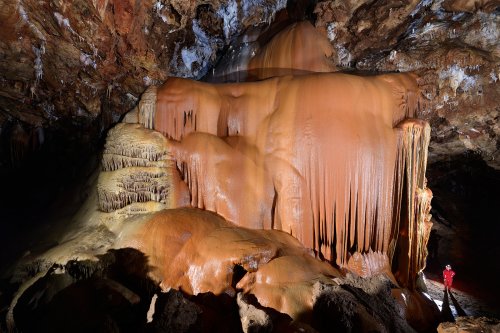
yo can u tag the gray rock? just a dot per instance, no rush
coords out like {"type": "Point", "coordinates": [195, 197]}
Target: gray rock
{"type": "Point", "coordinates": [253, 320]}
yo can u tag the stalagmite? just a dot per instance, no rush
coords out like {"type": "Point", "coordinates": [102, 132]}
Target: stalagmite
{"type": "Point", "coordinates": [116, 189]}
{"type": "Point", "coordinates": [132, 146]}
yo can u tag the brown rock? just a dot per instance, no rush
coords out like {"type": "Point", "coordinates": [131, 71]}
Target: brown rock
{"type": "Point", "coordinates": [470, 324]}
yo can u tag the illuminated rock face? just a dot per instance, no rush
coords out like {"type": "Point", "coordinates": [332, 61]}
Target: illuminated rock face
{"type": "Point", "coordinates": [284, 54]}
{"type": "Point", "coordinates": [328, 158]}
{"type": "Point", "coordinates": [197, 251]}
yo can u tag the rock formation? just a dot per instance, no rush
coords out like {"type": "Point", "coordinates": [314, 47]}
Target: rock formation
{"type": "Point", "coordinates": [325, 157]}
{"type": "Point", "coordinates": [268, 190]}
{"type": "Point", "coordinates": [197, 252]}
{"type": "Point", "coordinates": [137, 168]}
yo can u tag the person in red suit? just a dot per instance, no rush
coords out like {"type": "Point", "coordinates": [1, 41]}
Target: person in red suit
{"type": "Point", "coordinates": [448, 275]}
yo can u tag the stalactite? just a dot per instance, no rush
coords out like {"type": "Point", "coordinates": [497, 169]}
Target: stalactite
{"type": "Point", "coordinates": [424, 225]}
{"type": "Point", "coordinates": [413, 200]}
{"type": "Point", "coordinates": [147, 107]}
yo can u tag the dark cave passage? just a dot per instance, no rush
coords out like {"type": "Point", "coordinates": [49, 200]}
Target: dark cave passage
{"type": "Point", "coordinates": [467, 225]}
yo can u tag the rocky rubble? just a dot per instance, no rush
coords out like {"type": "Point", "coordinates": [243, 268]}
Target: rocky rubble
{"type": "Point", "coordinates": [470, 324]}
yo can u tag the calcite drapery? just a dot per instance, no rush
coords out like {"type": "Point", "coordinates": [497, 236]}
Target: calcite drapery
{"type": "Point", "coordinates": [330, 158]}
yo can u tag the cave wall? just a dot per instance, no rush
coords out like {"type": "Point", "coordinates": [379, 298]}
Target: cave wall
{"type": "Point", "coordinates": [75, 67]}
{"type": "Point", "coordinates": [452, 45]}
{"type": "Point", "coordinates": [88, 61]}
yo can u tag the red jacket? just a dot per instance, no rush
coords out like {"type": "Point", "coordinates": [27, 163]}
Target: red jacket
{"type": "Point", "coordinates": [448, 275]}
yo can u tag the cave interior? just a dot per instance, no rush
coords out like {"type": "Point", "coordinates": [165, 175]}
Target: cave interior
{"type": "Point", "coordinates": [367, 130]}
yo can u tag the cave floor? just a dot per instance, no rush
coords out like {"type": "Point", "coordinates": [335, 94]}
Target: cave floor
{"type": "Point", "coordinates": [465, 233]}
{"type": "Point", "coordinates": [457, 303]}
{"type": "Point", "coordinates": [476, 291]}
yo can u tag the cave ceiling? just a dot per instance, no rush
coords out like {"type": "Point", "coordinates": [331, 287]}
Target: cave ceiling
{"type": "Point", "coordinates": [77, 66]}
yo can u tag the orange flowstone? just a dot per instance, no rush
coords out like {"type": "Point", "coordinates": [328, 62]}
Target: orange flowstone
{"type": "Point", "coordinates": [313, 153]}
{"type": "Point", "coordinates": [196, 251]}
